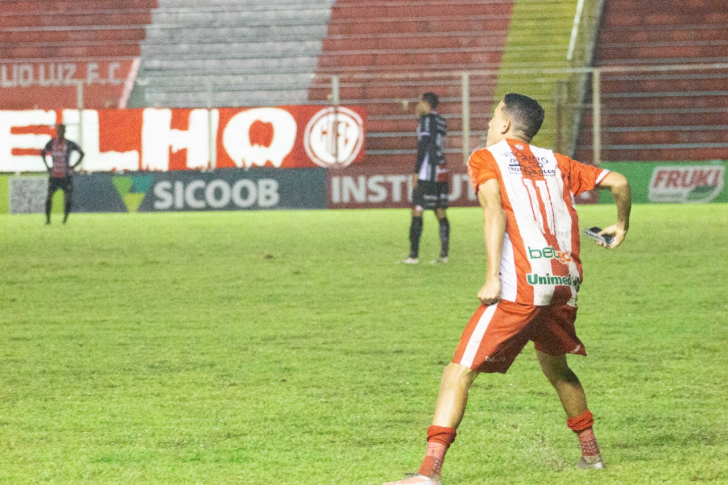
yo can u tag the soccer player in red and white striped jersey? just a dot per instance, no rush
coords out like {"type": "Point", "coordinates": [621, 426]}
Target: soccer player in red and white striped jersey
{"type": "Point", "coordinates": [60, 170]}
{"type": "Point", "coordinates": [533, 273]}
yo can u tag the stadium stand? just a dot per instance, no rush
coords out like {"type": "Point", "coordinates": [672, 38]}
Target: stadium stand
{"type": "Point", "coordinates": [388, 52]}
{"type": "Point", "coordinates": [231, 52]}
{"type": "Point", "coordinates": [662, 115]}
{"type": "Point", "coordinates": [46, 46]}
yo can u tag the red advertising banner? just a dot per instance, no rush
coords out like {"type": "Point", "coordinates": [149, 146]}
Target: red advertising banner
{"type": "Point", "coordinates": [189, 139]}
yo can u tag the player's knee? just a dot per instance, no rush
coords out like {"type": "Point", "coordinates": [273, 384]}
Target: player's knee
{"type": "Point", "coordinates": [557, 372]}
{"type": "Point", "coordinates": [457, 375]}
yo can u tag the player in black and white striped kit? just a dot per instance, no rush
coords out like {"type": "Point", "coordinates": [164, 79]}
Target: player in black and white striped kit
{"type": "Point", "coordinates": [430, 178]}
{"type": "Point", "coordinates": [60, 170]}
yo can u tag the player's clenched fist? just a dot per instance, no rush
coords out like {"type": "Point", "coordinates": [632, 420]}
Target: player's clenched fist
{"type": "Point", "coordinates": [489, 294]}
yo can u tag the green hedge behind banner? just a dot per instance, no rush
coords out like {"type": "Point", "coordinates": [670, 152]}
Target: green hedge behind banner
{"type": "Point", "coordinates": [672, 182]}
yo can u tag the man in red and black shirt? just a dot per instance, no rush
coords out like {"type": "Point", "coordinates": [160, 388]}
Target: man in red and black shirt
{"type": "Point", "coordinates": [61, 169]}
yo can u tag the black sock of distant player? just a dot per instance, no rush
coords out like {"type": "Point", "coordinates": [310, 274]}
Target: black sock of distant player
{"type": "Point", "coordinates": [415, 233]}
{"type": "Point", "coordinates": [444, 236]}
{"type": "Point", "coordinates": [49, 204]}
{"type": "Point", "coordinates": [66, 207]}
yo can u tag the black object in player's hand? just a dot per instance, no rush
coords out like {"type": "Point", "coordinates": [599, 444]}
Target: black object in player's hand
{"type": "Point", "coordinates": [593, 233]}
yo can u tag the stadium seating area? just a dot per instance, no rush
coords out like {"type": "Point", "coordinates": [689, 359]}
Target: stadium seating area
{"type": "Point", "coordinates": [662, 115]}
{"type": "Point", "coordinates": [231, 52]}
{"type": "Point", "coordinates": [387, 53]}
{"type": "Point", "coordinates": [46, 46]}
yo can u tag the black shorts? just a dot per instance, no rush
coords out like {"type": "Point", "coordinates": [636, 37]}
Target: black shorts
{"type": "Point", "coordinates": [55, 183]}
{"type": "Point", "coordinates": [430, 195]}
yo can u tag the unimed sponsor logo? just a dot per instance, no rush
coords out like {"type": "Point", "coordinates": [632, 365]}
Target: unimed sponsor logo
{"type": "Point", "coordinates": [687, 183]}
{"type": "Point", "coordinates": [548, 279]}
{"type": "Point", "coordinates": [215, 194]}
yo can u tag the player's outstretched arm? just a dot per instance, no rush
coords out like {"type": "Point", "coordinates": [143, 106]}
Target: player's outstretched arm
{"type": "Point", "coordinates": [622, 193]}
{"type": "Point", "coordinates": [494, 221]}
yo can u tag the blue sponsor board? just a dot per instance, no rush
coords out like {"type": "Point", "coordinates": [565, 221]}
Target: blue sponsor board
{"type": "Point", "coordinates": [235, 189]}
{"type": "Point", "coordinates": [226, 189]}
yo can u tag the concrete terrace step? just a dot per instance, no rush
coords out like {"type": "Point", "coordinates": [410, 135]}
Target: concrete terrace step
{"type": "Point", "coordinates": [181, 66]}
{"type": "Point", "coordinates": [31, 6]}
{"type": "Point", "coordinates": [239, 81]}
{"type": "Point", "coordinates": [228, 98]}
{"type": "Point", "coordinates": [222, 17]}
{"type": "Point", "coordinates": [251, 49]}
{"type": "Point", "coordinates": [165, 4]}
{"type": "Point", "coordinates": [171, 33]}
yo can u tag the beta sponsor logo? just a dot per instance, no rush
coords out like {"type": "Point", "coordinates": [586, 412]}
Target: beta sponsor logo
{"type": "Point", "coordinates": [549, 253]}
{"type": "Point", "coordinates": [701, 183]}
{"type": "Point", "coordinates": [216, 194]}
{"type": "Point", "coordinates": [548, 279]}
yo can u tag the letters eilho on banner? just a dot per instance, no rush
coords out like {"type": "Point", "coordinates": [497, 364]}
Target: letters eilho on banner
{"type": "Point", "coordinates": [189, 139]}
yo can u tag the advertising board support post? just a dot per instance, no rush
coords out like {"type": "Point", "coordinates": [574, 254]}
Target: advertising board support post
{"type": "Point", "coordinates": [336, 99]}
{"type": "Point", "coordinates": [210, 138]}
{"type": "Point", "coordinates": [79, 105]}
{"type": "Point", "coordinates": [596, 116]}
{"type": "Point", "coordinates": [466, 116]}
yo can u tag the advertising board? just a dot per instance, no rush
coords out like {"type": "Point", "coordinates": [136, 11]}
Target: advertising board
{"type": "Point", "coordinates": [672, 182]}
{"type": "Point", "coordinates": [225, 189]}
{"type": "Point", "coordinates": [189, 139]}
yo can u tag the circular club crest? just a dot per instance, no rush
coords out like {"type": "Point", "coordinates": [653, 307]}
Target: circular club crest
{"type": "Point", "coordinates": [334, 137]}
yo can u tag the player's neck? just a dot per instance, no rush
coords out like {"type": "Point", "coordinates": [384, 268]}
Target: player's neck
{"type": "Point", "coordinates": [517, 138]}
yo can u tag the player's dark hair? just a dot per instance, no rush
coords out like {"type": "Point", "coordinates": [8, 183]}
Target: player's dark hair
{"type": "Point", "coordinates": [526, 113]}
{"type": "Point", "coordinates": [431, 99]}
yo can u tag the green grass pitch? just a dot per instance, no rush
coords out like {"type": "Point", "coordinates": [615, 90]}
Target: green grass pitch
{"type": "Point", "coordinates": [288, 347]}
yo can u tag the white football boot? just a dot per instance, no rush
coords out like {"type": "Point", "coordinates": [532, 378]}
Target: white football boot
{"type": "Point", "coordinates": [594, 463]}
{"type": "Point", "coordinates": [417, 480]}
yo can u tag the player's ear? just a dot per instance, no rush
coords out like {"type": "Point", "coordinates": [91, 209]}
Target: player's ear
{"type": "Point", "coordinates": [506, 127]}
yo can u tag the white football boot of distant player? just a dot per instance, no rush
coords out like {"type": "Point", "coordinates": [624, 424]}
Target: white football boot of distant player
{"type": "Point", "coordinates": [417, 480]}
{"type": "Point", "coordinates": [411, 261]}
{"type": "Point", "coordinates": [595, 463]}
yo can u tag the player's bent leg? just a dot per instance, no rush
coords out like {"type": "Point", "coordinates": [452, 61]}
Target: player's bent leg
{"type": "Point", "coordinates": [453, 397]}
{"type": "Point", "coordinates": [567, 385]}
{"type": "Point", "coordinates": [573, 399]}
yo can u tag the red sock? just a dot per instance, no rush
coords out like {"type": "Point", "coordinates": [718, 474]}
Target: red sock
{"type": "Point", "coordinates": [439, 440]}
{"type": "Point", "coordinates": [582, 426]}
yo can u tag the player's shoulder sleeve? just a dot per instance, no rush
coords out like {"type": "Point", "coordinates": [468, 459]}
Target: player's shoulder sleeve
{"type": "Point", "coordinates": [579, 176]}
{"type": "Point", "coordinates": [48, 147]}
{"type": "Point", "coordinates": [481, 168]}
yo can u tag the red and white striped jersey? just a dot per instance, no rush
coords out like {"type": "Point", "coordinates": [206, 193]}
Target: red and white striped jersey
{"type": "Point", "coordinates": [540, 261]}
